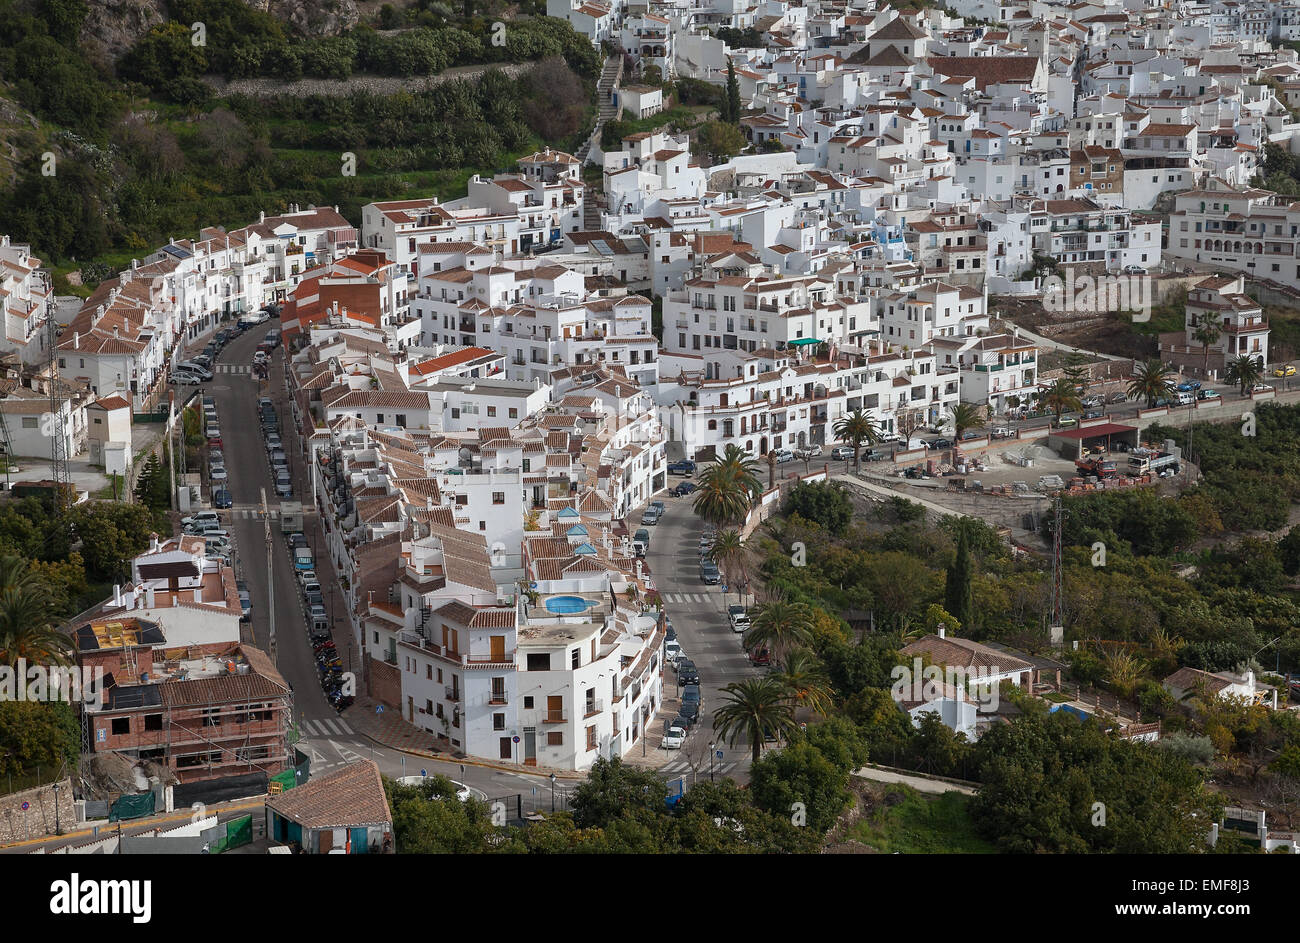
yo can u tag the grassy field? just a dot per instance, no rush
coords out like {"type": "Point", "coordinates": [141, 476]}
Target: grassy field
{"type": "Point", "coordinates": [919, 824]}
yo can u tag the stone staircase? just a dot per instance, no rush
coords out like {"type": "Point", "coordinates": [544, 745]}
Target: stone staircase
{"type": "Point", "coordinates": [609, 78]}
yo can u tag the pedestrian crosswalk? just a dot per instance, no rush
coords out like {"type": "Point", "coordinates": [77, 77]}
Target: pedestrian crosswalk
{"type": "Point", "coordinates": [679, 766]}
{"type": "Point", "coordinates": [324, 728]}
{"type": "Point", "coordinates": [233, 368]}
{"type": "Point", "coordinates": [686, 597]}
{"type": "Point", "coordinates": [253, 513]}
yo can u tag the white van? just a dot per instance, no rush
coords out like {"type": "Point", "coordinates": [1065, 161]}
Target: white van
{"type": "Point", "coordinates": [202, 517]}
{"type": "Point", "coordinates": [1186, 398]}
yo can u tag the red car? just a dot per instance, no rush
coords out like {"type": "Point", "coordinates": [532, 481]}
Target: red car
{"type": "Point", "coordinates": [760, 657]}
{"type": "Point", "coordinates": [214, 442]}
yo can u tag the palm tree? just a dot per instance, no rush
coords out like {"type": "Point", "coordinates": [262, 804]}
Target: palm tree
{"type": "Point", "coordinates": [805, 678]}
{"type": "Point", "coordinates": [1206, 332]}
{"type": "Point", "coordinates": [1061, 397]}
{"type": "Point", "coordinates": [855, 428]}
{"type": "Point", "coordinates": [727, 549]}
{"type": "Point", "coordinates": [25, 629]}
{"type": "Point", "coordinates": [1151, 381]}
{"type": "Point", "coordinates": [779, 626]}
{"type": "Point", "coordinates": [1245, 371]}
{"type": "Point", "coordinates": [727, 488]}
{"type": "Point", "coordinates": [964, 416]}
{"type": "Point", "coordinates": [753, 710]}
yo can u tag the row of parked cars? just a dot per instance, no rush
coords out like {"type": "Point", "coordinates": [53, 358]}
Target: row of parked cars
{"type": "Point", "coordinates": [688, 678]}
{"type": "Point", "coordinates": [218, 543]}
{"type": "Point", "coordinates": [218, 477]}
{"type": "Point", "coordinates": [275, 452]}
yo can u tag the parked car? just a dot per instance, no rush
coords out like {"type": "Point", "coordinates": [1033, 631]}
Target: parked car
{"type": "Point", "coordinates": [809, 453]}
{"type": "Point", "coordinates": [783, 456]}
{"type": "Point", "coordinates": [641, 541]}
{"type": "Point", "coordinates": [1207, 394]}
{"type": "Point", "coordinates": [672, 652]}
{"type": "Point", "coordinates": [709, 572]}
{"type": "Point", "coordinates": [739, 618]}
{"type": "Point", "coordinates": [1093, 400]}
{"type": "Point", "coordinates": [681, 468]}
{"type": "Point", "coordinates": [221, 498]}
{"type": "Point", "coordinates": [689, 712]}
{"type": "Point", "coordinates": [1261, 388]}
{"type": "Point", "coordinates": [218, 473]}
{"type": "Point", "coordinates": [186, 378]}
{"type": "Point", "coordinates": [283, 486]}
{"type": "Point", "coordinates": [684, 488]}
{"type": "Point", "coordinates": [1119, 396]}
{"type": "Point", "coordinates": [1002, 432]}
{"type": "Point", "coordinates": [941, 443]}
{"type": "Point", "coordinates": [1094, 414]}
{"type": "Point", "coordinates": [691, 693]}
{"type": "Point", "coordinates": [650, 517]}
{"type": "Point", "coordinates": [842, 453]}
{"type": "Point", "coordinates": [260, 357]}
{"type": "Point", "coordinates": [971, 434]}
{"type": "Point", "coordinates": [687, 673]}
{"type": "Point", "coordinates": [658, 506]}
{"type": "Point", "coordinates": [1284, 370]}
{"type": "Point", "coordinates": [674, 738]}
{"type": "Point", "coordinates": [1134, 270]}
{"type": "Point", "coordinates": [273, 442]}
{"type": "Point", "coordinates": [202, 517]}
{"type": "Point", "coordinates": [245, 600]}
{"type": "Point", "coordinates": [1189, 386]}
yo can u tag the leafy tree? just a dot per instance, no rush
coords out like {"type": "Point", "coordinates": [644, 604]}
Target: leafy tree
{"type": "Point", "coordinates": [426, 820]}
{"type": "Point", "coordinates": [800, 779]}
{"type": "Point", "coordinates": [824, 502]}
{"type": "Point", "coordinates": [64, 19]}
{"type": "Point", "coordinates": [1043, 774]}
{"type": "Point", "coordinates": [612, 790]}
{"type": "Point", "coordinates": [111, 535]}
{"type": "Point", "coordinates": [163, 55]}
{"type": "Point", "coordinates": [37, 734]}
{"type": "Point", "coordinates": [719, 141]}
{"type": "Point", "coordinates": [1289, 551]}
{"type": "Point", "coordinates": [153, 488]}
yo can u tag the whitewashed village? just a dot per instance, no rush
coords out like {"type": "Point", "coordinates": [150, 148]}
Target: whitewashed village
{"type": "Point", "coordinates": [495, 399]}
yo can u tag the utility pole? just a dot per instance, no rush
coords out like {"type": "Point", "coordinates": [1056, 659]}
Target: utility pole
{"type": "Point", "coordinates": [1056, 627]}
{"type": "Point", "coordinates": [270, 577]}
{"type": "Point", "coordinates": [171, 445]}
{"type": "Point", "coordinates": [57, 431]}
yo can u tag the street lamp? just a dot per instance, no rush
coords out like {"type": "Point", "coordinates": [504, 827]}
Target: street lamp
{"type": "Point", "coordinates": [552, 792]}
{"type": "Point", "coordinates": [58, 828]}
{"type": "Point", "coordinates": [711, 754]}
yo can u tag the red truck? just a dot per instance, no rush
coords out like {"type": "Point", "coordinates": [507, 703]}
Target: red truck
{"type": "Point", "coordinates": [1097, 467]}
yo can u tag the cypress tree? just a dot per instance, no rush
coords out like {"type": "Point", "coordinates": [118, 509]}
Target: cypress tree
{"type": "Point", "coordinates": [731, 112]}
{"type": "Point", "coordinates": [958, 598]}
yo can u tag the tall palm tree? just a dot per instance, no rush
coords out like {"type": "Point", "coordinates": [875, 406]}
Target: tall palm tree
{"type": "Point", "coordinates": [964, 416]}
{"type": "Point", "coordinates": [779, 626]}
{"type": "Point", "coordinates": [25, 629]}
{"type": "Point", "coordinates": [727, 488]}
{"type": "Point", "coordinates": [753, 709]}
{"type": "Point", "coordinates": [1061, 397]}
{"type": "Point", "coordinates": [855, 428]}
{"type": "Point", "coordinates": [806, 680]}
{"type": "Point", "coordinates": [1206, 332]}
{"type": "Point", "coordinates": [726, 551]}
{"type": "Point", "coordinates": [1245, 371]}
{"type": "Point", "coordinates": [1151, 381]}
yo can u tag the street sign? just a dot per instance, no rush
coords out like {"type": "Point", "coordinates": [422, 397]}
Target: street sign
{"type": "Point", "coordinates": [379, 708]}
{"type": "Point", "coordinates": [27, 805]}
{"type": "Point", "coordinates": [719, 754]}
{"type": "Point", "coordinates": [424, 773]}
{"type": "Point", "coordinates": [515, 739]}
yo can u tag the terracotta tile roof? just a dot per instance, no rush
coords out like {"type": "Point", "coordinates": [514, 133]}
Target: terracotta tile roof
{"type": "Point", "coordinates": [352, 797]}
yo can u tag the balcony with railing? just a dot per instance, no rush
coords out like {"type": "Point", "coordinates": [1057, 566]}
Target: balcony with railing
{"type": "Point", "coordinates": [554, 717]}
{"type": "Point", "coordinates": [593, 707]}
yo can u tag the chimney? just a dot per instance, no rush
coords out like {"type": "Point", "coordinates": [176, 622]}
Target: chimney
{"type": "Point", "coordinates": [942, 630]}
{"type": "Point", "coordinates": [261, 217]}
{"type": "Point", "coordinates": [76, 340]}
{"type": "Point", "coordinates": [148, 596]}
{"type": "Point", "coordinates": [117, 595]}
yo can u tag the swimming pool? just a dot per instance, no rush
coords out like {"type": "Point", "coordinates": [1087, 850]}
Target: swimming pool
{"type": "Point", "coordinates": [566, 605]}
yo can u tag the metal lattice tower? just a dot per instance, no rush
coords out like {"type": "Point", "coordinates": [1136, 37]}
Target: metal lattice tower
{"type": "Point", "coordinates": [1058, 516]}
{"type": "Point", "coordinates": [57, 432]}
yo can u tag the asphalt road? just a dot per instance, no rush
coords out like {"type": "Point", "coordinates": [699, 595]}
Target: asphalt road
{"type": "Point", "coordinates": [698, 613]}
